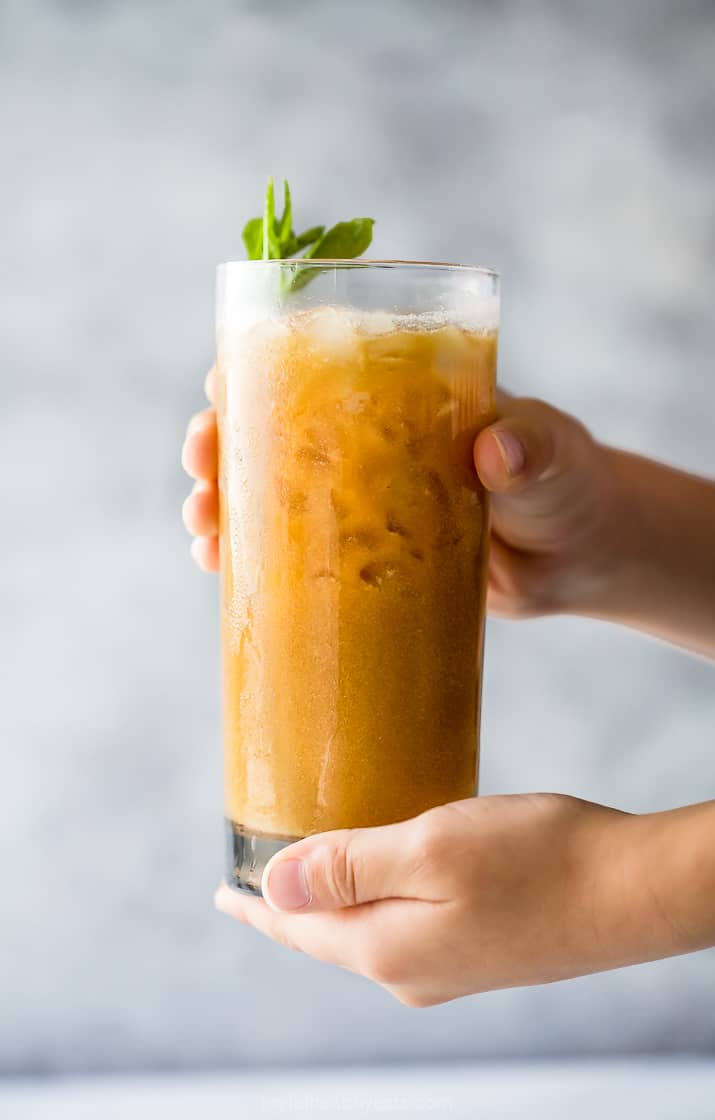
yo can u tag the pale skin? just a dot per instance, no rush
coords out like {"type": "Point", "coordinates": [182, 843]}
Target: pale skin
{"type": "Point", "coordinates": [499, 892]}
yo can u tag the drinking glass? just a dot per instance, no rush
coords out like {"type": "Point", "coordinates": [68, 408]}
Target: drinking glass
{"type": "Point", "coordinates": [353, 542]}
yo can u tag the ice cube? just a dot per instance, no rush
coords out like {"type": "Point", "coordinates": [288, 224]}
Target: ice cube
{"type": "Point", "coordinates": [377, 322]}
{"type": "Point", "coordinates": [331, 330]}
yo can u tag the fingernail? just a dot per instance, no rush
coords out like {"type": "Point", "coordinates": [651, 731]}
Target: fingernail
{"type": "Point", "coordinates": [285, 885]}
{"type": "Point", "coordinates": [512, 451]}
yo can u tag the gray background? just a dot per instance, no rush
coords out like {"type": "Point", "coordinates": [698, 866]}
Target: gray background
{"type": "Point", "coordinates": [571, 146]}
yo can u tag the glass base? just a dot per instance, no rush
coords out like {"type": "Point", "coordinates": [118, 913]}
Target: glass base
{"type": "Point", "coordinates": [247, 854]}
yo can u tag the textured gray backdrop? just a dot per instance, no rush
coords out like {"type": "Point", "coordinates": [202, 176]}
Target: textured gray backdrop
{"type": "Point", "coordinates": [570, 145]}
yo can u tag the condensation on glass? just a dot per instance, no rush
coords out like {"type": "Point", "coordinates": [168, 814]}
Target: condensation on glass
{"type": "Point", "coordinates": [353, 540]}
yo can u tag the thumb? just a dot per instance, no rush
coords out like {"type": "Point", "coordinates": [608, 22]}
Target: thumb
{"type": "Point", "coordinates": [529, 444]}
{"type": "Point", "coordinates": [539, 463]}
{"type": "Point", "coordinates": [334, 870]}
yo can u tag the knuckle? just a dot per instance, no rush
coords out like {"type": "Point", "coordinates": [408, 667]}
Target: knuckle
{"type": "Point", "coordinates": [202, 427]}
{"type": "Point", "coordinates": [290, 943]}
{"type": "Point", "coordinates": [202, 505]}
{"type": "Point", "coordinates": [414, 999]}
{"type": "Point", "coordinates": [201, 555]}
{"type": "Point", "coordinates": [519, 595]}
{"type": "Point", "coordinates": [511, 605]}
{"type": "Point", "coordinates": [556, 433]}
{"type": "Point", "coordinates": [429, 842]}
{"type": "Point", "coordinates": [537, 408]}
{"type": "Point", "coordinates": [383, 966]}
{"type": "Point", "coordinates": [339, 873]}
{"type": "Point", "coordinates": [187, 453]}
{"type": "Point", "coordinates": [187, 513]}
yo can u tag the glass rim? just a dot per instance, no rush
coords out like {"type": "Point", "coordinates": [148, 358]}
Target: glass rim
{"type": "Point", "coordinates": [363, 262]}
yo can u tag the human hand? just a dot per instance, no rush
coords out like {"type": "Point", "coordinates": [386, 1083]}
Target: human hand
{"type": "Point", "coordinates": [199, 457]}
{"type": "Point", "coordinates": [580, 528]}
{"type": "Point", "coordinates": [556, 511]}
{"type": "Point", "coordinates": [552, 509]}
{"type": "Point", "coordinates": [486, 893]}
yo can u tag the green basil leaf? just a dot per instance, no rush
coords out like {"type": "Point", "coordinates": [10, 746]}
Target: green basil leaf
{"type": "Point", "coordinates": [310, 235]}
{"type": "Point", "coordinates": [253, 238]}
{"type": "Point", "coordinates": [344, 241]}
{"type": "Point", "coordinates": [271, 238]}
{"type": "Point", "coordinates": [271, 245]}
{"type": "Point", "coordinates": [285, 226]}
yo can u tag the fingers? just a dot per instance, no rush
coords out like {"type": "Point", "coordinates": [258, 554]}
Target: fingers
{"type": "Point", "coordinates": [522, 447]}
{"type": "Point", "coordinates": [345, 868]}
{"type": "Point", "coordinates": [206, 553]}
{"type": "Point", "coordinates": [374, 940]}
{"type": "Point", "coordinates": [333, 938]}
{"type": "Point", "coordinates": [518, 584]}
{"type": "Point", "coordinates": [199, 455]}
{"type": "Point", "coordinates": [200, 515]}
{"type": "Point", "coordinates": [550, 498]}
{"type": "Point", "coordinates": [200, 510]}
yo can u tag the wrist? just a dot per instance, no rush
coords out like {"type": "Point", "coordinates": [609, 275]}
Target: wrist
{"type": "Point", "coordinates": [662, 548]}
{"type": "Point", "coordinates": [658, 885]}
{"type": "Point", "coordinates": [676, 870]}
{"type": "Point", "coordinates": [597, 563]}
{"type": "Point", "coordinates": [620, 562]}
{"type": "Point", "coordinates": [652, 569]}
{"type": "Point", "coordinates": [626, 534]}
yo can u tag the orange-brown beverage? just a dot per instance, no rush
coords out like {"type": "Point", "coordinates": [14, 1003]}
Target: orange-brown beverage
{"type": "Point", "coordinates": [353, 540]}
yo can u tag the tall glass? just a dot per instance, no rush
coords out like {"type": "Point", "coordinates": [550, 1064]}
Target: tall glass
{"type": "Point", "coordinates": [353, 540]}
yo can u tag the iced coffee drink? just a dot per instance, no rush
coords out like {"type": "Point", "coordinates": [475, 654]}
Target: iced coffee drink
{"type": "Point", "coordinates": [353, 540]}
